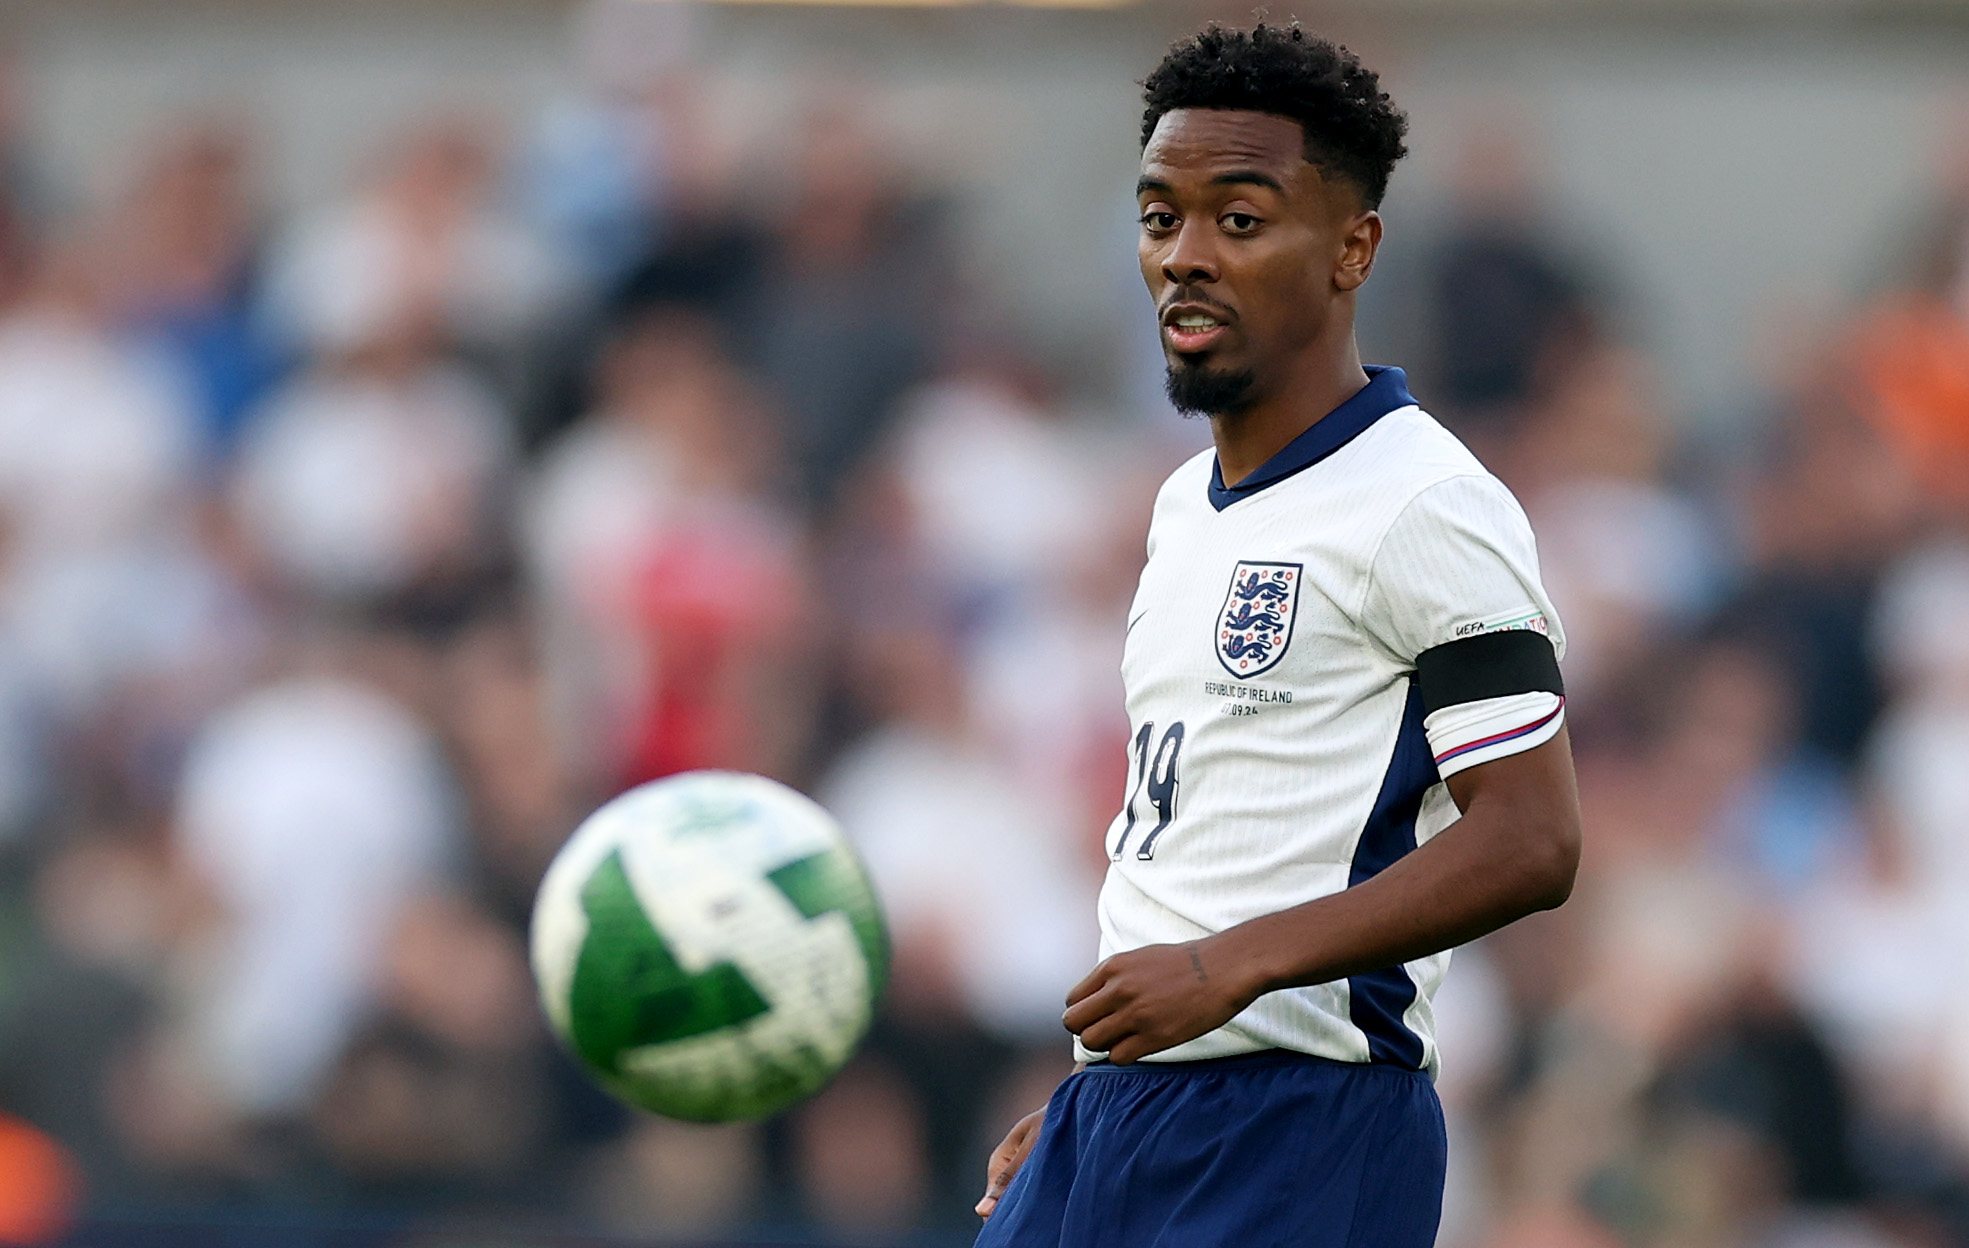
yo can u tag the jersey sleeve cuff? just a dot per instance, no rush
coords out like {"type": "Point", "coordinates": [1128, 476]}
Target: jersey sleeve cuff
{"type": "Point", "coordinates": [1469, 733]}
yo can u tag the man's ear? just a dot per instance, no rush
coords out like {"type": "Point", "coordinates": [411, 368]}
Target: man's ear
{"type": "Point", "coordinates": [1358, 245]}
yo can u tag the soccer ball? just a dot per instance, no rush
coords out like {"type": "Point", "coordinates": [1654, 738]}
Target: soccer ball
{"type": "Point", "coordinates": [709, 946]}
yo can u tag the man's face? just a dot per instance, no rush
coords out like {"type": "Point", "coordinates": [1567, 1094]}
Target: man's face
{"type": "Point", "coordinates": [1246, 248]}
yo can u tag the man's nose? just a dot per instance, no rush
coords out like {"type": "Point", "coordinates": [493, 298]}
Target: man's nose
{"type": "Point", "coordinates": [1192, 258]}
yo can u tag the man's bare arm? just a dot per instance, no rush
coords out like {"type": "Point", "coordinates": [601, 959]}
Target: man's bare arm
{"type": "Point", "coordinates": [1514, 852]}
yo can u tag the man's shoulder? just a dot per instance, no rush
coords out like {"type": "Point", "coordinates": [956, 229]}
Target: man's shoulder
{"type": "Point", "coordinates": [1408, 451]}
{"type": "Point", "coordinates": [1380, 474]}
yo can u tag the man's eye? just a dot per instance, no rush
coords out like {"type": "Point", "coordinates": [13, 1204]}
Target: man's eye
{"type": "Point", "coordinates": [1159, 220]}
{"type": "Point", "coordinates": [1240, 222]}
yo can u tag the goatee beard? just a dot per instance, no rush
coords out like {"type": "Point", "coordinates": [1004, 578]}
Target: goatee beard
{"type": "Point", "coordinates": [1197, 391]}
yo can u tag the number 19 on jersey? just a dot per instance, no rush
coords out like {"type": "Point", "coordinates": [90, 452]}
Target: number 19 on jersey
{"type": "Point", "coordinates": [1155, 771]}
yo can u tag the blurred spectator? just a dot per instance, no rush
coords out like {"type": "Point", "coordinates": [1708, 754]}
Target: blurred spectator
{"type": "Point", "coordinates": [1628, 561]}
{"type": "Point", "coordinates": [314, 809]}
{"type": "Point", "coordinates": [1919, 749]}
{"type": "Point", "coordinates": [599, 169]}
{"type": "Point", "coordinates": [1782, 818]}
{"type": "Point", "coordinates": [1884, 955]}
{"type": "Point", "coordinates": [1827, 509]}
{"type": "Point", "coordinates": [437, 1095]}
{"type": "Point", "coordinates": [1508, 314]}
{"type": "Point", "coordinates": [91, 975]}
{"type": "Point", "coordinates": [668, 571]}
{"type": "Point", "coordinates": [851, 298]}
{"type": "Point", "coordinates": [1763, 1065]}
{"type": "Point", "coordinates": [710, 252]}
{"type": "Point", "coordinates": [593, 177]}
{"type": "Point", "coordinates": [104, 589]}
{"type": "Point", "coordinates": [372, 480]}
{"type": "Point", "coordinates": [521, 798]}
{"type": "Point", "coordinates": [999, 486]}
{"type": "Point", "coordinates": [183, 264]}
{"type": "Point", "coordinates": [1913, 354]}
{"type": "Point", "coordinates": [97, 438]}
{"type": "Point", "coordinates": [1877, 955]}
{"type": "Point", "coordinates": [424, 252]}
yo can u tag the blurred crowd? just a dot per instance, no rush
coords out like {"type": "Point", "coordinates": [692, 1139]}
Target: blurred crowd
{"type": "Point", "coordinates": [350, 554]}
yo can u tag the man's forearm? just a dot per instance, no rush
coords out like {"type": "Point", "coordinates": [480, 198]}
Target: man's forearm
{"type": "Point", "coordinates": [1496, 864]}
{"type": "Point", "coordinates": [1514, 851]}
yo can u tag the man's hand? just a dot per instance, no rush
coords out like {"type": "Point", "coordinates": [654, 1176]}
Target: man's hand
{"type": "Point", "coordinates": [1155, 998]}
{"type": "Point", "coordinates": [1007, 1158]}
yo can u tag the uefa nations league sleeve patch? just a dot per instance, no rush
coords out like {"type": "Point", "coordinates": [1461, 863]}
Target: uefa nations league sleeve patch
{"type": "Point", "coordinates": [1255, 625]}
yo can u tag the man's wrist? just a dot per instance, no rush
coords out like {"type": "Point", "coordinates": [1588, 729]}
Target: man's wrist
{"type": "Point", "coordinates": [1242, 962]}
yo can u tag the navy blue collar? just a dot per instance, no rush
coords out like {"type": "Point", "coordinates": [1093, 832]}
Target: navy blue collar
{"type": "Point", "coordinates": [1386, 391]}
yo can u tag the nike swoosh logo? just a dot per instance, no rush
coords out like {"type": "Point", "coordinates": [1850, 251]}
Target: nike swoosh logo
{"type": "Point", "coordinates": [1132, 623]}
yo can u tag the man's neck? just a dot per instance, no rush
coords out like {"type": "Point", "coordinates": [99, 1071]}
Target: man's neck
{"type": "Point", "coordinates": [1245, 441]}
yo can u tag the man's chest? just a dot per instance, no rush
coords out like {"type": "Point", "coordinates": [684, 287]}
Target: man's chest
{"type": "Point", "coordinates": [1235, 621]}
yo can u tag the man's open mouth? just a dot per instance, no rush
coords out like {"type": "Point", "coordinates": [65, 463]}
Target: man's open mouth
{"type": "Point", "coordinates": [1190, 327]}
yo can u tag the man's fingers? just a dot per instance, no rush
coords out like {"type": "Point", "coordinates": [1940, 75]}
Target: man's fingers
{"type": "Point", "coordinates": [1125, 1039]}
{"type": "Point", "coordinates": [1085, 1012]}
{"type": "Point", "coordinates": [1133, 1048]}
{"type": "Point", "coordinates": [1011, 1151]}
{"type": "Point", "coordinates": [1028, 1133]}
{"type": "Point", "coordinates": [1000, 1178]}
{"type": "Point", "coordinates": [1006, 1159]}
{"type": "Point", "coordinates": [1087, 986]}
{"type": "Point", "coordinates": [1103, 1035]}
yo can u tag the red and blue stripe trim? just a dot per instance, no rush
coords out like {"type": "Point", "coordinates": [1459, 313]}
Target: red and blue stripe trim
{"type": "Point", "coordinates": [1508, 735]}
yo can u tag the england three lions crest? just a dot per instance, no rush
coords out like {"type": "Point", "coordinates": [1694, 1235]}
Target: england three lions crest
{"type": "Point", "coordinates": [1255, 624]}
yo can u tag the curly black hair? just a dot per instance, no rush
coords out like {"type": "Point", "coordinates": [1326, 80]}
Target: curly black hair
{"type": "Point", "coordinates": [1353, 129]}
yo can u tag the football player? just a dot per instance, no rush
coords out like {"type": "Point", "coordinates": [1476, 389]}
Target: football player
{"type": "Point", "coordinates": [1349, 751]}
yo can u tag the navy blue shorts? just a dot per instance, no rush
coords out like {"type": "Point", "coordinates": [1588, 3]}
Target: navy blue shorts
{"type": "Point", "coordinates": [1266, 1149]}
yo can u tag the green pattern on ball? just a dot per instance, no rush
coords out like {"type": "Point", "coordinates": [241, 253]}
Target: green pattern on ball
{"type": "Point", "coordinates": [833, 881]}
{"type": "Point", "coordinates": [628, 989]}
{"type": "Point", "coordinates": [773, 1081]}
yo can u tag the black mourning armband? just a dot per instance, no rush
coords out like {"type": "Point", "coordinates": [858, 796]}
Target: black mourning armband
{"type": "Point", "coordinates": [1488, 665]}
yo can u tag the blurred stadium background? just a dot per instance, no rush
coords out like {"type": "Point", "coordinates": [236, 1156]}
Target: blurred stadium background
{"type": "Point", "coordinates": [420, 420]}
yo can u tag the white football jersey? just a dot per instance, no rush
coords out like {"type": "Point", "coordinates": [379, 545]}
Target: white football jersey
{"type": "Point", "coordinates": [1282, 749]}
